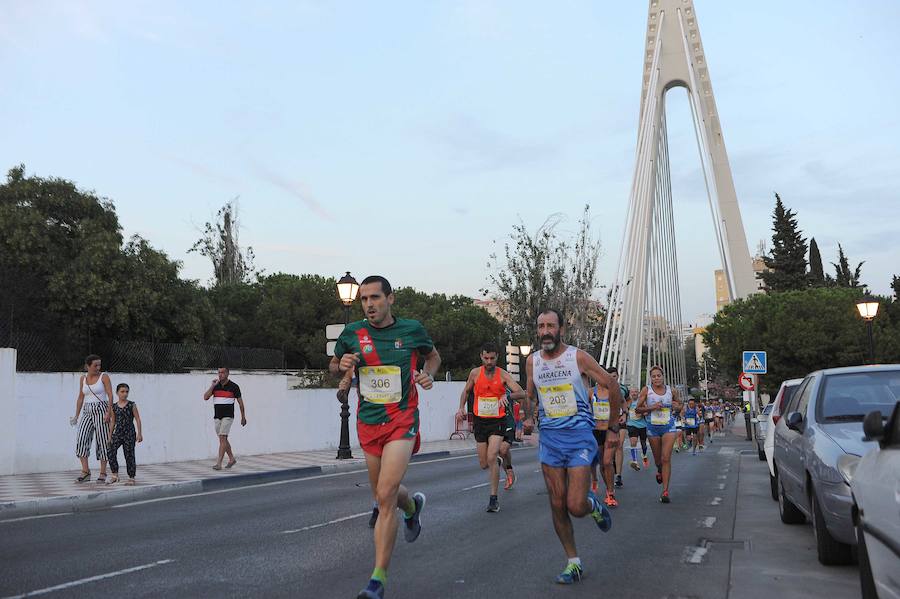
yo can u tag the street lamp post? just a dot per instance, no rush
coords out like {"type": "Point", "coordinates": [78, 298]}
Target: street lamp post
{"type": "Point", "coordinates": [868, 310]}
{"type": "Point", "coordinates": [347, 289]}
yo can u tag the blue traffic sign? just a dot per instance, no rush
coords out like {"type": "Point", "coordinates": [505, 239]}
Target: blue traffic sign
{"type": "Point", "coordinates": [754, 362]}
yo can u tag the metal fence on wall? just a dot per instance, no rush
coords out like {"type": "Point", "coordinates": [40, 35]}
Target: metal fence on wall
{"type": "Point", "coordinates": [58, 353]}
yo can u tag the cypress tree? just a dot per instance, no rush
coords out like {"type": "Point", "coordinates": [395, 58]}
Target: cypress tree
{"type": "Point", "coordinates": [787, 262]}
{"type": "Point", "coordinates": [816, 271]}
{"type": "Point", "coordinates": [843, 276]}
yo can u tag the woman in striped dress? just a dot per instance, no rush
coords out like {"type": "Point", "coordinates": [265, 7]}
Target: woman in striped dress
{"type": "Point", "coordinates": [94, 405]}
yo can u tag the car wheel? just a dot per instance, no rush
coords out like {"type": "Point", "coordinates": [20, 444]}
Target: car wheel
{"type": "Point", "coordinates": [773, 485]}
{"type": "Point", "coordinates": [831, 551]}
{"type": "Point", "coordinates": [866, 580]}
{"type": "Point", "coordinates": [789, 512]}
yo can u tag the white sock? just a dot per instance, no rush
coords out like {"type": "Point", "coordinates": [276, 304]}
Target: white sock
{"type": "Point", "coordinates": [575, 560]}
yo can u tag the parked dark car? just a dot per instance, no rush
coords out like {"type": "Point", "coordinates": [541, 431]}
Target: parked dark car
{"type": "Point", "coordinates": [822, 423]}
{"type": "Point", "coordinates": [875, 482]}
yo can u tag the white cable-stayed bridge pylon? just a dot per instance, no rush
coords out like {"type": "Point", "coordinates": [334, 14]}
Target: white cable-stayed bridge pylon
{"type": "Point", "coordinates": [644, 325]}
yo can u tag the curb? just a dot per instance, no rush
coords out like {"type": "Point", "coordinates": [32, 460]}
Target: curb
{"type": "Point", "coordinates": [100, 500]}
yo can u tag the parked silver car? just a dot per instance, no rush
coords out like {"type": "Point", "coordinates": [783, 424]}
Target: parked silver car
{"type": "Point", "coordinates": [823, 422]}
{"type": "Point", "coordinates": [761, 426]}
{"type": "Point", "coordinates": [875, 482]}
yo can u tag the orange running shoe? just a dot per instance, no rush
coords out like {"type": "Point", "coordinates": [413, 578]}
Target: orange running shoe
{"type": "Point", "coordinates": [611, 500]}
{"type": "Point", "coordinates": [510, 479]}
{"type": "Point", "coordinates": [646, 461]}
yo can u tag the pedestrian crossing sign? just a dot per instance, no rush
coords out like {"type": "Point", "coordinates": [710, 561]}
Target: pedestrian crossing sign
{"type": "Point", "coordinates": [755, 362]}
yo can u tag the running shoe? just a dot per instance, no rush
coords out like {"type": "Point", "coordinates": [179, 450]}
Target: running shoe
{"type": "Point", "coordinates": [510, 479]}
{"type": "Point", "coordinates": [600, 514]}
{"type": "Point", "coordinates": [611, 500]}
{"type": "Point", "coordinates": [677, 449]}
{"type": "Point", "coordinates": [414, 522]}
{"type": "Point", "coordinates": [701, 447]}
{"type": "Point", "coordinates": [659, 477]}
{"type": "Point", "coordinates": [374, 590]}
{"type": "Point", "coordinates": [493, 504]}
{"type": "Point", "coordinates": [646, 461]}
{"type": "Point", "coordinates": [634, 466]}
{"type": "Point", "coordinates": [374, 518]}
{"type": "Point", "coordinates": [619, 482]}
{"type": "Point", "coordinates": [664, 498]}
{"type": "Point", "coordinates": [572, 573]}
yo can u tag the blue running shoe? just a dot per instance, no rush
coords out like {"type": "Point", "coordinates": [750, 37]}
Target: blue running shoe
{"type": "Point", "coordinates": [572, 573]}
{"type": "Point", "coordinates": [414, 522]}
{"type": "Point", "coordinates": [600, 514]}
{"type": "Point", "coordinates": [375, 590]}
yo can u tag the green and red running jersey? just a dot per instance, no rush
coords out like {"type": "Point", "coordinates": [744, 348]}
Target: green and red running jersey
{"type": "Point", "coordinates": [388, 358]}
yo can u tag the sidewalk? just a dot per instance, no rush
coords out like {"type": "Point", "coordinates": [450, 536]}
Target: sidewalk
{"type": "Point", "coordinates": [23, 495]}
{"type": "Point", "coordinates": [781, 560]}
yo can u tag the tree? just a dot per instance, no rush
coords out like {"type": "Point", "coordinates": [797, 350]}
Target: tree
{"type": "Point", "coordinates": [895, 285]}
{"type": "Point", "coordinates": [802, 331]}
{"type": "Point", "coordinates": [816, 272]}
{"type": "Point", "coordinates": [787, 263]}
{"type": "Point", "coordinates": [843, 276]}
{"type": "Point", "coordinates": [219, 243]}
{"type": "Point", "coordinates": [542, 270]}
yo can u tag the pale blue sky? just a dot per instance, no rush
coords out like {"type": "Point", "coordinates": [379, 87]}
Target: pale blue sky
{"type": "Point", "coordinates": [406, 137]}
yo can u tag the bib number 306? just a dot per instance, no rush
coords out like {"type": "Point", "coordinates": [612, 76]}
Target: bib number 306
{"type": "Point", "coordinates": [380, 384]}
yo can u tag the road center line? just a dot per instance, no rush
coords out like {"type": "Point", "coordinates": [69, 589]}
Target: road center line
{"type": "Point", "coordinates": [75, 583]}
{"type": "Point", "coordinates": [706, 522]}
{"type": "Point", "coordinates": [335, 521]}
{"type": "Point", "coordinates": [715, 501]}
{"type": "Point", "coordinates": [476, 486]}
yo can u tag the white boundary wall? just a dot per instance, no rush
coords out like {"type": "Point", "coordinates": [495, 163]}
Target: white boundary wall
{"type": "Point", "coordinates": [177, 423]}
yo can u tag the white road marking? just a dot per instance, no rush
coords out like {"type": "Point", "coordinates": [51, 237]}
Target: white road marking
{"type": "Point", "coordinates": [467, 456]}
{"type": "Point", "coordinates": [75, 583]}
{"type": "Point", "coordinates": [721, 486]}
{"type": "Point", "coordinates": [726, 451]}
{"type": "Point", "coordinates": [335, 521]}
{"type": "Point", "coordinates": [722, 477]}
{"type": "Point", "coordinates": [694, 555]}
{"type": "Point", "coordinates": [706, 522]}
{"type": "Point", "coordinates": [476, 486]}
{"type": "Point", "coordinates": [22, 519]}
{"type": "Point", "coordinates": [715, 501]}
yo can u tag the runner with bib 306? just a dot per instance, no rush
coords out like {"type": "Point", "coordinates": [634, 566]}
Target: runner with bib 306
{"type": "Point", "coordinates": [386, 352]}
{"type": "Point", "coordinates": [557, 379]}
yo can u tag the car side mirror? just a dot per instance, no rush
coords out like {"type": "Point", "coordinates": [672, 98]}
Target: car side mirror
{"type": "Point", "coordinates": [873, 426]}
{"type": "Point", "coordinates": [794, 421]}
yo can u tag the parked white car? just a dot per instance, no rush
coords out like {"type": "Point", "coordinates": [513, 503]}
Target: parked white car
{"type": "Point", "coordinates": [761, 425]}
{"type": "Point", "coordinates": [875, 485]}
{"type": "Point", "coordinates": [782, 398]}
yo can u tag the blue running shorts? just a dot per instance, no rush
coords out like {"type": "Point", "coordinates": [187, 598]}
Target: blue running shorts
{"type": "Point", "coordinates": [567, 448]}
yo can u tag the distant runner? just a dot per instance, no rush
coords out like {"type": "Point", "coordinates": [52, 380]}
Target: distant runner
{"type": "Point", "coordinates": [493, 424]}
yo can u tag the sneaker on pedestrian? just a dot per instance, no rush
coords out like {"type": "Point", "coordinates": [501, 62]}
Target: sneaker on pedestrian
{"type": "Point", "coordinates": [572, 573]}
{"type": "Point", "coordinates": [600, 514]}
{"type": "Point", "coordinates": [664, 498]}
{"type": "Point", "coordinates": [414, 522]}
{"type": "Point", "coordinates": [493, 504]}
{"type": "Point", "coordinates": [646, 462]}
{"type": "Point", "coordinates": [611, 500]}
{"type": "Point", "coordinates": [634, 465]}
{"type": "Point", "coordinates": [619, 482]}
{"type": "Point", "coordinates": [510, 479]}
{"type": "Point", "coordinates": [374, 590]}
{"type": "Point", "coordinates": [374, 517]}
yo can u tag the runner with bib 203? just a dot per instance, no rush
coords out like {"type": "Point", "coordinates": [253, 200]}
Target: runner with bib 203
{"type": "Point", "coordinates": [659, 401]}
{"type": "Point", "coordinates": [558, 380]}
{"type": "Point", "coordinates": [386, 352]}
{"type": "Point", "coordinates": [491, 408]}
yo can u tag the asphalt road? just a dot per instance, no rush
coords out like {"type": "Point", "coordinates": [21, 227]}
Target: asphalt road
{"type": "Point", "coordinates": [309, 538]}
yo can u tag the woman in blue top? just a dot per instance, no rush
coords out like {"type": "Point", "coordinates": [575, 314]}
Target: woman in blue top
{"type": "Point", "coordinates": [658, 401]}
